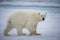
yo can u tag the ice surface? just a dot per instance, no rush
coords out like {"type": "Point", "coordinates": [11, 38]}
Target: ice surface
{"type": "Point", "coordinates": [49, 29]}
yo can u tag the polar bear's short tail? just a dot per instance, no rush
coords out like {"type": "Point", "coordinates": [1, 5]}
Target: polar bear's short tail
{"type": "Point", "coordinates": [9, 21]}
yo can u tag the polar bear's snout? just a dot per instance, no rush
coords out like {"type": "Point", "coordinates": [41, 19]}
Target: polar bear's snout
{"type": "Point", "coordinates": [43, 16]}
{"type": "Point", "coordinates": [43, 19]}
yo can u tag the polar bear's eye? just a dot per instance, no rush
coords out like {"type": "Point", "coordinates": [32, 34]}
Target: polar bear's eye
{"type": "Point", "coordinates": [41, 15]}
{"type": "Point", "coordinates": [38, 13]}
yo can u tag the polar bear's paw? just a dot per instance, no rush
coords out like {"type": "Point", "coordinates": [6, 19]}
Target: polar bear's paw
{"type": "Point", "coordinates": [35, 34]}
{"type": "Point", "coordinates": [6, 35]}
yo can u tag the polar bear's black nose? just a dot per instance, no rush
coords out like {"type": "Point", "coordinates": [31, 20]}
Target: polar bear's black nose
{"type": "Point", "coordinates": [43, 18]}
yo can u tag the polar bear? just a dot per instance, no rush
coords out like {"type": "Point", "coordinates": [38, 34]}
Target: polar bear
{"type": "Point", "coordinates": [22, 19]}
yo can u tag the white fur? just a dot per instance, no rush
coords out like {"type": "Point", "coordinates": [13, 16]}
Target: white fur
{"type": "Point", "coordinates": [22, 19]}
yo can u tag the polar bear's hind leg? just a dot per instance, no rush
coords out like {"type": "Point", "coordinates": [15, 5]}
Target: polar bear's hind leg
{"type": "Point", "coordinates": [8, 28]}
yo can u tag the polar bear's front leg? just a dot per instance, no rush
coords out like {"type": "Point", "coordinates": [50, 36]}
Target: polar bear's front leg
{"type": "Point", "coordinates": [34, 31]}
{"type": "Point", "coordinates": [30, 26]}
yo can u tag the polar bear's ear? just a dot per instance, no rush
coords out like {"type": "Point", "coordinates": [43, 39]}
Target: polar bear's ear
{"type": "Point", "coordinates": [38, 13]}
{"type": "Point", "coordinates": [33, 14]}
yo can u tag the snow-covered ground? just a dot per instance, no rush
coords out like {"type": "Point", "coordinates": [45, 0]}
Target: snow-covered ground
{"type": "Point", "coordinates": [49, 29]}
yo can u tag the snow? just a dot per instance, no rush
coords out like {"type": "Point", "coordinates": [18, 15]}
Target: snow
{"type": "Point", "coordinates": [49, 29]}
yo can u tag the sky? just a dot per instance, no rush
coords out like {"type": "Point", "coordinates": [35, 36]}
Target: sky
{"type": "Point", "coordinates": [34, 0]}
{"type": "Point", "coordinates": [55, 1]}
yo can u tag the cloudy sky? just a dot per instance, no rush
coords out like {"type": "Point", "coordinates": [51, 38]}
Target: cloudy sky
{"type": "Point", "coordinates": [56, 1]}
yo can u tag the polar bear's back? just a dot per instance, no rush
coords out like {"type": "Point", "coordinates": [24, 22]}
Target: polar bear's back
{"type": "Point", "coordinates": [22, 14]}
{"type": "Point", "coordinates": [20, 18]}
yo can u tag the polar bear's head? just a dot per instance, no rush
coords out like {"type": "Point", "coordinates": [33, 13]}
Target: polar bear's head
{"type": "Point", "coordinates": [40, 16]}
